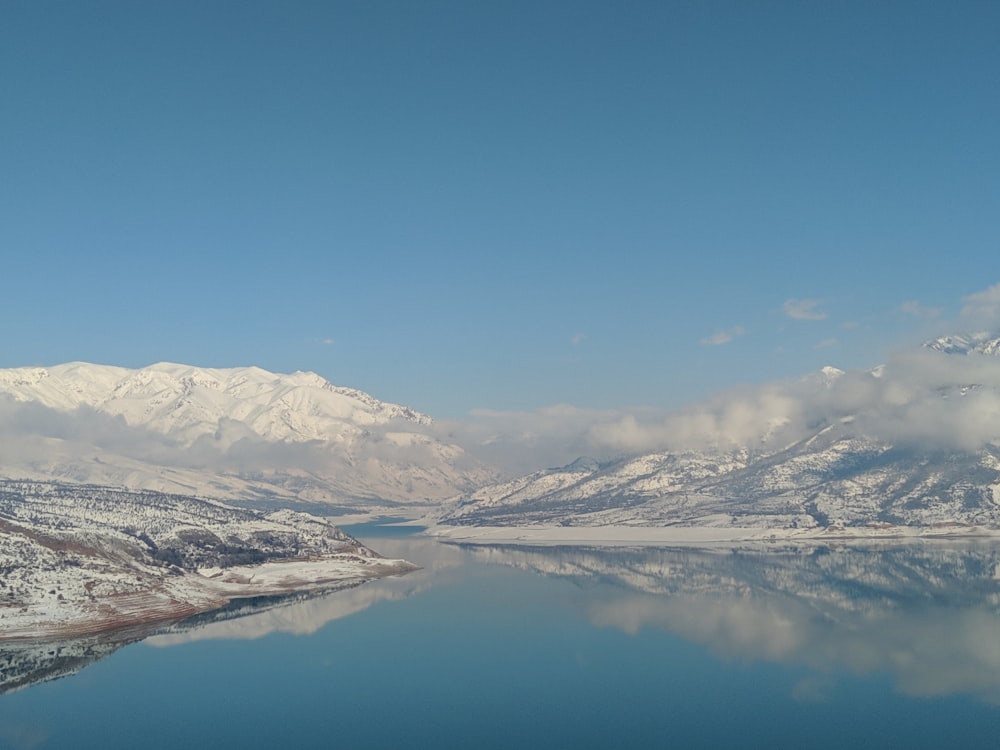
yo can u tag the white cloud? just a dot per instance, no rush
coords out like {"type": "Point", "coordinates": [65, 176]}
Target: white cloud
{"type": "Point", "coordinates": [920, 399]}
{"type": "Point", "coordinates": [826, 343]}
{"type": "Point", "coordinates": [522, 442]}
{"type": "Point", "coordinates": [982, 308]}
{"type": "Point", "coordinates": [578, 339]}
{"type": "Point", "coordinates": [734, 418]}
{"type": "Point", "coordinates": [916, 309]}
{"type": "Point", "coordinates": [803, 309]}
{"type": "Point", "coordinates": [723, 336]}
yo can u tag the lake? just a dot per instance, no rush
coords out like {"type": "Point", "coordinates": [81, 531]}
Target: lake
{"type": "Point", "coordinates": [506, 646]}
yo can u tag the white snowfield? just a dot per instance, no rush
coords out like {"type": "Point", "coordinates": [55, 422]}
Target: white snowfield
{"type": "Point", "coordinates": [189, 402]}
{"type": "Point", "coordinates": [229, 433]}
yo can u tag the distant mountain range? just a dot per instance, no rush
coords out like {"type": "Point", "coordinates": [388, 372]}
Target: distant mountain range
{"type": "Point", "coordinates": [842, 471]}
{"type": "Point", "coordinates": [974, 343]}
{"type": "Point", "coordinates": [241, 433]}
{"type": "Point", "coordinates": [914, 443]}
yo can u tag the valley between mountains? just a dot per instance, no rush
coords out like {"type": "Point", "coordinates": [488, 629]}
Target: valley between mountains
{"type": "Point", "coordinates": [150, 494]}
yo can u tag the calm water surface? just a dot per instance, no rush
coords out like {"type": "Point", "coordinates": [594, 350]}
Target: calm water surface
{"type": "Point", "coordinates": [498, 647]}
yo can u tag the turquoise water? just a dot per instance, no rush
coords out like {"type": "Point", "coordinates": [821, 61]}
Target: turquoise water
{"type": "Point", "coordinates": [527, 647]}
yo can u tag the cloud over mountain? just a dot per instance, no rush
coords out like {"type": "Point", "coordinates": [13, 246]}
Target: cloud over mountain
{"type": "Point", "coordinates": [982, 309]}
{"type": "Point", "coordinates": [920, 397]}
{"type": "Point", "coordinates": [236, 433]}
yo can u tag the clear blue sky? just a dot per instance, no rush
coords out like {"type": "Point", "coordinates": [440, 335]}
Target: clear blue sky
{"type": "Point", "coordinates": [460, 205]}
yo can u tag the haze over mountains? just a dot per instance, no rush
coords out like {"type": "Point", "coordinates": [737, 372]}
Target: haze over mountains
{"type": "Point", "coordinates": [912, 443]}
{"type": "Point", "coordinates": [240, 433]}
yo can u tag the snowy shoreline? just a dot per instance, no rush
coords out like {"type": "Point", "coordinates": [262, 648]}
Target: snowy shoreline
{"type": "Point", "coordinates": [85, 559]}
{"type": "Point", "coordinates": [176, 599]}
{"type": "Point", "coordinates": [611, 536]}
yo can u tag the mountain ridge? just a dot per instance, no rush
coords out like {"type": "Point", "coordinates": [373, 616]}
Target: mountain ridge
{"type": "Point", "coordinates": [233, 433]}
{"type": "Point", "coordinates": [171, 394]}
{"type": "Point", "coordinates": [846, 469]}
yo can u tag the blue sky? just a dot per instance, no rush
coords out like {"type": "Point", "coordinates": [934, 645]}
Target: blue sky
{"type": "Point", "coordinates": [467, 205]}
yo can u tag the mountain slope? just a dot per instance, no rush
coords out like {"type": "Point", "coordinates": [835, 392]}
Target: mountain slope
{"type": "Point", "coordinates": [85, 559]}
{"type": "Point", "coordinates": [237, 433]}
{"type": "Point", "coordinates": [892, 462]}
{"type": "Point", "coordinates": [190, 402]}
{"type": "Point", "coordinates": [969, 344]}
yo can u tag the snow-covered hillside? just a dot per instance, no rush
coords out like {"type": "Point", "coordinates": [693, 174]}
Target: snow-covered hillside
{"type": "Point", "coordinates": [982, 342]}
{"type": "Point", "coordinates": [240, 433]}
{"type": "Point", "coordinates": [894, 447]}
{"type": "Point", "coordinates": [85, 559]}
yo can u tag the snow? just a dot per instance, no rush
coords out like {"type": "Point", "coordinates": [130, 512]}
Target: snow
{"type": "Point", "coordinates": [81, 560]}
{"type": "Point", "coordinates": [980, 342]}
{"type": "Point", "coordinates": [837, 473]}
{"type": "Point", "coordinates": [179, 399]}
{"type": "Point", "coordinates": [232, 433]}
{"type": "Point", "coordinates": [690, 535]}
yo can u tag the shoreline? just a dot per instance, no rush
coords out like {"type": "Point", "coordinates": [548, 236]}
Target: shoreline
{"type": "Point", "coordinates": [617, 536]}
{"type": "Point", "coordinates": [195, 593]}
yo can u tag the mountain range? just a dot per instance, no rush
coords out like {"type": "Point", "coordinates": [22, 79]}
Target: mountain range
{"type": "Point", "coordinates": [872, 451]}
{"type": "Point", "coordinates": [238, 434]}
{"type": "Point", "coordinates": [912, 443]}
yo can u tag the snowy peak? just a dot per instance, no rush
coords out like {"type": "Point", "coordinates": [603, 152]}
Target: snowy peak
{"type": "Point", "coordinates": [983, 342]}
{"type": "Point", "coordinates": [830, 374]}
{"type": "Point", "coordinates": [188, 402]}
{"type": "Point", "coordinates": [237, 433]}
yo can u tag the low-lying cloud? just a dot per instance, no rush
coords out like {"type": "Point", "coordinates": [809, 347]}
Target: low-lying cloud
{"type": "Point", "coordinates": [982, 308]}
{"type": "Point", "coordinates": [921, 398]}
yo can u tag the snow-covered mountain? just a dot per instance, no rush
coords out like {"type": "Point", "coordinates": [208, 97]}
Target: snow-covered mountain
{"type": "Point", "coordinates": [915, 443]}
{"type": "Point", "coordinates": [237, 433]}
{"type": "Point", "coordinates": [982, 342]}
{"type": "Point", "coordinates": [188, 403]}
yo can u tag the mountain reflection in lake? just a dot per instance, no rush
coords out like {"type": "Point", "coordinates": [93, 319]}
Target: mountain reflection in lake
{"type": "Point", "coordinates": [928, 614]}
{"type": "Point", "coordinates": [502, 646]}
